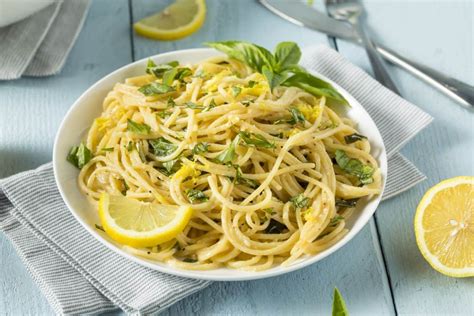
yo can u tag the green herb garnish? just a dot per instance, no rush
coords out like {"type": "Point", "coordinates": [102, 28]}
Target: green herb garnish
{"type": "Point", "coordinates": [211, 105]}
{"type": "Point", "coordinates": [339, 306]}
{"type": "Point", "coordinates": [162, 147]}
{"type": "Point", "coordinates": [346, 203]}
{"type": "Point", "coordinates": [189, 260]}
{"type": "Point", "coordinates": [170, 103]}
{"type": "Point", "coordinates": [195, 195]}
{"type": "Point", "coordinates": [299, 201]}
{"type": "Point", "coordinates": [255, 140]}
{"type": "Point", "coordinates": [228, 155]}
{"type": "Point", "coordinates": [275, 227]}
{"type": "Point", "coordinates": [138, 128]}
{"type": "Point", "coordinates": [107, 149]}
{"type": "Point", "coordinates": [335, 220]}
{"type": "Point", "coordinates": [159, 70]}
{"type": "Point", "coordinates": [155, 88]}
{"type": "Point", "coordinates": [193, 105]}
{"type": "Point", "coordinates": [353, 138]}
{"type": "Point", "coordinates": [163, 114]}
{"type": "Point", "coordinates": [236, 91]}
{"type": "Point", "coordinates": [171, 166]}
{"type": "Point", "coordinates": [354, 167]}
{"type": "Point", "coordinates": [252, 83]}
{"type": "Point", "coordinates": [200, 148]}
{"type": "Point", "coordinates": [239, 179]}
{"type": "Point", "coordinates": [79, 156]}
{"type": "Point", "coordinates": [99, 227]}
{"type": "Point", "coordinates": [280, 68]}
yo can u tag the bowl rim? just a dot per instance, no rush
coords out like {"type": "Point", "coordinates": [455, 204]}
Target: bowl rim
{"type": "Point", "coordinates": [234, 274]}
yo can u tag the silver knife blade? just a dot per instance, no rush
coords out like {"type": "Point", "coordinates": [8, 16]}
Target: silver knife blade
{"type": "Point", "coordinates": [304, 15]}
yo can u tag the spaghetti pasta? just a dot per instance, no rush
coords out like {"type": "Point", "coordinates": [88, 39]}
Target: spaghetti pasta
{"type": "Point", "coordinates": [271, 174]}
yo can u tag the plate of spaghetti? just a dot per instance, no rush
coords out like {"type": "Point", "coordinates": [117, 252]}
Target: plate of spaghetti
{"type": "Point", "coordinates": [221, 163]}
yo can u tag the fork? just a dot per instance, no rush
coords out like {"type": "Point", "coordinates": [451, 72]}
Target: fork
{"type": "Point", "coordinates": [351, 11]}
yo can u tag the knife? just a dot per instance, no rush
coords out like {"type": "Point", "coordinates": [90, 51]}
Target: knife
{"type": "Point", "coordinates": [304, 15]}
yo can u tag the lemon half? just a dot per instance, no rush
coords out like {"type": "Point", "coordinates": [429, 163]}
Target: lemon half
{"type": "Point", "coordinates": [444, 227]}
{"type": "Point", "coordinates": [138, 224]}
{"type": "Point", "coordinates": [178, 20]}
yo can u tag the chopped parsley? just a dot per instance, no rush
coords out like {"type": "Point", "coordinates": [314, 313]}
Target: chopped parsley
{"type": "Point", "coordinates": [195, 195]}
{"type": "Point", "coordinates": [354, 167]}
{"type": "Point", "coordinates": [162, 147]}
{"type": "Point", "coordinates": [79, 156]}
{"type": "Point", "coordinates": [299, 201]}
{"type": "Point", "coordinates": [200, 148]}
{"type": "Point", "coordinates": [138, 128]}
{"type": "Point", "coordinates": [228, 155]}
{"type": "Point", "coordinates": [255, 140]}
{"type": "Point", "coordinates": [155, 88]}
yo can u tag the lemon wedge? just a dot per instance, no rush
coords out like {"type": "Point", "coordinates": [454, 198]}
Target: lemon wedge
{"type": "Point", "coordinates": [180, 19]}
{"type": "Point", "coordinates": [138, 224]}
{"type": "Point", "coordinates": [444, 227]}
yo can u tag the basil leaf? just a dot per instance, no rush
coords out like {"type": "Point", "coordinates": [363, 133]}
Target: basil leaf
{"type": "Point", "coordinates": [211, 105]}
{"type": "Point", "coordinates": [313, 85]}
{"type": "Point", "coordinates": [273, 79]}
{"type": "Point", "coordinates": [255, 140]}
{"type": "Point", "coordinates": [163, 114]}
{"type": "Point", "coordinates": [183, 73]}
{"type": "Point", "coordinates": [287, 54]}
{"type": "Point", "coordinates": [296, 116]}
{"type": "Point", "coordinates": [339, 306]}
{"type": "Point", "coordinates": [300, 201]}
{"type": "Point", "coordinates": [193, 105]}
{"type": "Point", "coordinates": [236, 91]}
{"type": "Point", "coordinates": [195, 195]}
{"type": "Point", "coordinates": [169, 75]}
{"type": "Point", "coordinates": [335, 220]}
{"type": "Point", "coordinates": [130, 146]}
{"type": "Point", "coordinates": [229, 154]}
{"type": "Point", "coordinates": [346, 203]}
{"type": "Point", "coordinates": [162, 147]}
{"type": "Point", "coordinates": [275, 227]}
{"type": "Point", "coordinates": [79, 156]}
{"type": "Point", "coordinates": [137, 128]}
{"type": "Point", "coordinates": [353, 138]}
{"type": "Point", "coordinates": [158, 70]}
{"type": "Point", "coordinates": [253, 55]}
{"type": "Point", "coordinates": [354, 167]}
{"type": "Point", "coordinates": [155, 88]}
{"type": "Point", "coordinates": [172, 166]}
{"type": "Point", "coordinates": [239, 179]}
{"type": "Point", "coordinates": [251, 83]}
{"type": "Point", "coordinates": [170, 103]}
{"type": "Point", "coordinates": [200, 148]}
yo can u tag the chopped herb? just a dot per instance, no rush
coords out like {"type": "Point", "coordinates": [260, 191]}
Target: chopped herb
{"type": "Point", "coordinates": [335, 220]}
{"type": "Point", "coordinates": [211, 105]}
{"type": "Point", "coordinates": [299, 201]}
{"type": "Point", "coordinates": [155, 88]}
{"type": "Point", "coordinates": [252, 83]}
{"type": "Point", "coordinates": [296, 116]}
{"type": "Point", "coordinates": [158, 70]}
{"type": "Point", "coordinates": [138, 128]}
{"type": "Point", "coordinates": [163, 114]}
{"type": "Point", "coordinates": [239, 179]}
{"type": "Point", "coordinates": [193, 105]}
{"type": "Point", "coordinates": [171, 166]}
{"type": "Point", "coordinates": [169, 75]}
{"type": "Point", "coordinates": [189, 260]}
{"type": "Point", "coordinates": [99, 228]}
{"type": "Point", "coordinates": [170, 103]}
{"type": "Point", "coordinates": [200, 74]}
{"type": "Point", "coordinates": [183, 73]}
{"type": "Point", "coordinates": [200, 148]}
{"type": "Point", "coordinates": [247, 102]}
{"type": "Point", "coordinates": [130, 146]}
{"type": "Point", "coordinates": [275, 227]}
{"type": "Point", "coordinates": [269, 210]}
{"type": "Point", "coordinates": [339, 306]}
{"type": "Point", "coordinates": [108, 149]}
{"type": "Point", "coordinates": [346, 203]}
{"type": "Point", "coordinates": [229, 154]}
{"type": "Point", "coordinates": [79, 156]}
{"type": "Point", "coordinates": [162, 147]}
{"type": "Point", "coordinates": [195, 195]}
{"type": "Point", "coordinates": [125, 187]}
{"type": "Point", "coordinates": [236, 91]}
{"type": "Point", "coordinates": [354, 167]}
{"type": "Point", "coordinates": [255, 140]}
{"type": "Point", "coordinates": [353, 138]}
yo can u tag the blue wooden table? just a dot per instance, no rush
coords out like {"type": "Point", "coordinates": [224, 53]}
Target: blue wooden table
{"type": "Point", "coordinates": [377, 275]}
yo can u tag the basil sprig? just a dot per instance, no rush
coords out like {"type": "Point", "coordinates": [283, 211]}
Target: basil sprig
{"type": "Point", "coordinates": [255, 140]}
{"type": "Point", "coordinates": [280, 68]}
{"type": "Point", "coordinates": [79, 156]}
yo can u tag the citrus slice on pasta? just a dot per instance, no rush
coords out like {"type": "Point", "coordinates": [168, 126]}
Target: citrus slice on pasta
{"type": "Point", "coordinates": [444, 227]}
{"type": "Point", "coordinates": [140, 224]}
{"type": "Point", "coordinates": [180, 19]}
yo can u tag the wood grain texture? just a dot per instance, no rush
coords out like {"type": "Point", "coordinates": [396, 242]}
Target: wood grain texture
{"type": "Point", "coordinates": [440, 34]}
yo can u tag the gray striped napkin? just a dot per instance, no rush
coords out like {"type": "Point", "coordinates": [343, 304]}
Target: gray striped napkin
{"type": "Point", "coordinates": [79, 275]}
{"type": "Point", "coordinates": [39, 45]}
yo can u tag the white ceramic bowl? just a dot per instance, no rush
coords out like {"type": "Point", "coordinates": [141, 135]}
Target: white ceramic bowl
{"type": "Point", "coordinates": [89, 106]}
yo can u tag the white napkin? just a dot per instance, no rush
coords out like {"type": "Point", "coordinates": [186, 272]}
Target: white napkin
{"type": "Point", "coordinates": [78, 274]}
{"type": "Point", "coordinates": [39, 45]}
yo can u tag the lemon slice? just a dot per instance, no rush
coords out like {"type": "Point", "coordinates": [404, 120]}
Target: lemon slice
{"type": "Point", "coordinates": [444, 227]}
{"type": "Point", "coordinates": [139, 224]}
{"type": "Point", "coordinates": [180, 19]}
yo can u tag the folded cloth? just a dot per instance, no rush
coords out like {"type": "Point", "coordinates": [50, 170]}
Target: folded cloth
{"type": "Point", "coordinates": [78, 274]}
{"type": "Point", "coordinates": [40, 44]}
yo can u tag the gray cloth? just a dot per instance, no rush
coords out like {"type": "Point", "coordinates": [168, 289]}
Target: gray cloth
{"type": "Point", "coordinates": [39, 45]}
{"type": "Point", "coordinates": [78, 274]}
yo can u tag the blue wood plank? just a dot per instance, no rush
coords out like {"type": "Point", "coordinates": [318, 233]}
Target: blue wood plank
{"type": "Point", "coordinates": [440, 34]}
{"type": "Point", "coordinates": [30, 112]}
{"type": "Point", "coordinates": [308, 291]}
